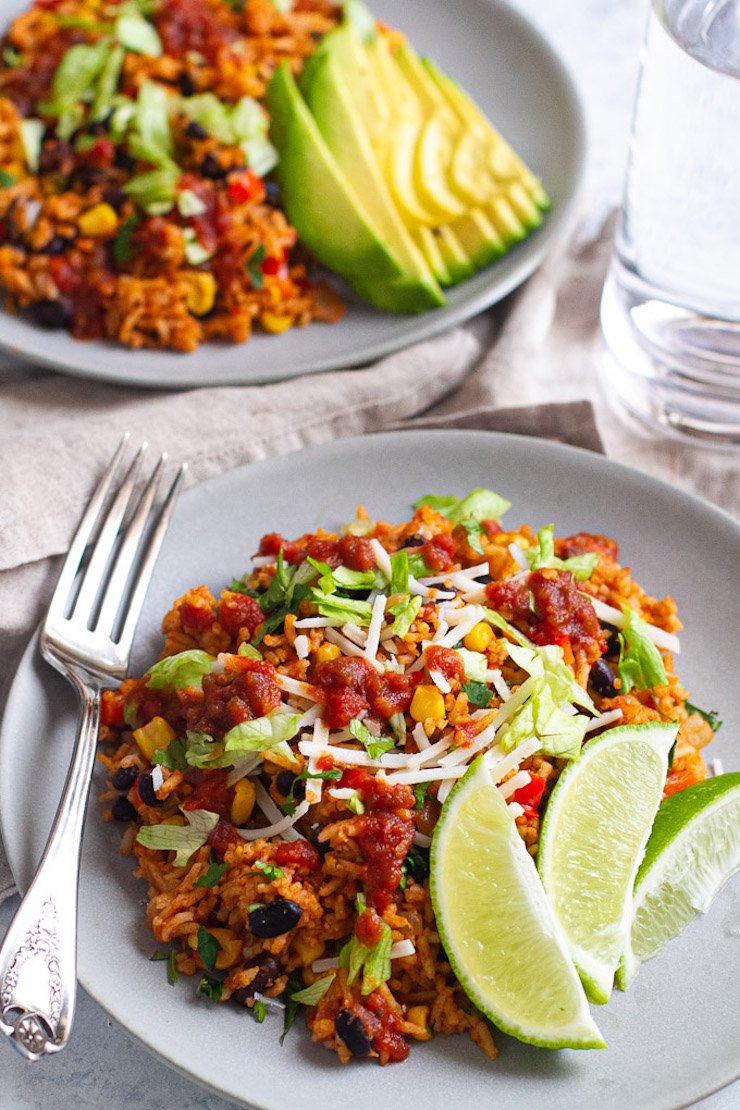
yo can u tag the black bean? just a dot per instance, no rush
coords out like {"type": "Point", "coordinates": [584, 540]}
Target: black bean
{"type": "Point", "coordinates": [185, 83]}
{"type": "Point", "coordinates": [269, 971]}
{"type": "Point", "coordinates": [211, 167]}
{"type": "Point", "coordinates": [53, 154]}
{"type": "Point", "coordinates": [56, 245]}
{"type": "Point", "coordinates": [124, 159]}
{"type": "Point", "coordinates": [124, 778]}
{"type": "Point", "coordinates": [350, 1029]}
{"type": "Point", "coordinates": [122, 809]}
{"type": "Point", "coordinates": [272, 193]}
{"type": "Point", "coordinates": [275, 918]}
{"type": "Point", "coordinates": [321, 846]}
{"type": "Point", "coordinates": [194, 130]}
{"type": "Point", "coordinates": [414, 541]}
{"type": "Point", "coordinates": [145, 786]}
{"type": "Point", "coordinates": [484, 579]}
{"type": "Point", "coordinates": [115, 197]}
{"type": "Point", "coordinates": [89, 175]}
{"type": "Point", "coordinates": [51, 314]}
{"type": "Point", "coordinates": [602, 679]}
{"type": "Point", "coordinates": [612, 639]}
{"type": "Point", "coordinates": [284, 781]}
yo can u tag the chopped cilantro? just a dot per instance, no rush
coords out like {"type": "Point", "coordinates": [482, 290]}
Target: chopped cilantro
{"type": "Point", "coordinates": [473, 529]}
{"type": "Point", "coordinates": [209, 987]}
{"type": "Point", "coordinates": [6, 180]}
{"type": "Point", "coordinates": [11, 57]}
{"type": "Point", "coordinates": [420, 793]}
{"type": "Point", "coordinates": [374, 961]}
{"type": "Point", "coordinates": [711, 716]}
{"type": "Point", "coordinates": [259, 1010]}
{"type": "Point", "coordinates": [416, 865]}
{"type": "Point", "coordinates": [355, 804]}
{"type": "Point", "coordinates": [122, 246]}
{"type": "Point", "coordinates": [254, 267]}
{"type": "Point", "coordinates": [288, 805]}
{"type": "Point", "coordinates": [171, 958]}
{"type": "Point", "coordinates": [478, 694]}
{"type": "Point", "coordinates": [212, 874]}
{"type": "Point", "coordinates": [269, 870]}
{"type": "Point", "coordinates": [208, 947]}
{"type": "Point", "coordinates": [373, 745]}
{"type": "Point", "coordinates": [292, 1006]}
{"type": "Point", "coordinates": [174, 757]}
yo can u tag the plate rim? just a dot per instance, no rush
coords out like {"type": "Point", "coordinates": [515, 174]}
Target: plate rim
{"type": "Point", "coordinates": [461, 436]}
{"type": "Point", "coordinates": [484, 290]}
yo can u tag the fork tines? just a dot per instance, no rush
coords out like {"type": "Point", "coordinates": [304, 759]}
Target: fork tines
{"type": "Point", "coordinates": [96, 604]}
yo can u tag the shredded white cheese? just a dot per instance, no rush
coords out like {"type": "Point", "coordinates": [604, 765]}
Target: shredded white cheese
{"type": "Point", "coordinates": [348, 648]}
{"type": "Point", "coordinates": [302, 646]}
{"type": "Point", "coordinates": [521, 778]}
{"type": "Point", "coordinates": [659, 636]}
{"type": "Point", "coordinates": [376, 623]}
{"type": "Point", "coordinates": [605, 719]}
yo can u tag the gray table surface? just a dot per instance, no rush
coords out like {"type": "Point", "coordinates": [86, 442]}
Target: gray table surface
{"type": "Point", "coordinates": [102, 1067]}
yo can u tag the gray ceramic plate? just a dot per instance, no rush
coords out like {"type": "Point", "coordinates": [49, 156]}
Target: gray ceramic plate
{"type": "Point", "coordinates": [518, 80]}
{"type": "Point", "coordinates": [673, 1038]}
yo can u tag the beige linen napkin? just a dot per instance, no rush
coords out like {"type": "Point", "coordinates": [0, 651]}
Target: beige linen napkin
{"type": "Point", "coordinates": [527, 366]}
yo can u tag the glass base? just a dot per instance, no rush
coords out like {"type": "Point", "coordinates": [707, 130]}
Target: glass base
{"type": "Point", "coordinates": [671, 367]}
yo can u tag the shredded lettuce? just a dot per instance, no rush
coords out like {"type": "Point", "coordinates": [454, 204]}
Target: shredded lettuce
{"type": "Point", "coordinates": [475, 663]}
{"type": "Point", "coordinates": [375, 746]}
{"type": "Point", "coordinates": [399, 572]}
{"type": "Point", "coordinates": [261, 155]}
{"type": "Point", "coordinates": [545, 704]}
{"type": "Point", "coordinates": [640, 663]}
{"type": "Point", "coordinates": [262, 733]}
{"type": "Point", "coordinates": [498, 622]}
{"type": "Point", "coordinates": [405, 614]}
{"type": "Point", "coordinates": [135, 32]}
{"type": "Point", "coordinates": [183, 839]}
{"type": "Point", "coordinates": [480, 504]}
{"type": "Point", "coordinates": [310, 996]}
{"type": "Point", "coordinates": [344, 609]}
{"type": "Point", "coordinates": [175, 672]}
{"type": "Point", "coordinates": [374, 962]}
{"type": "Point", "coordinates": [195, 252]}
{"type": "Point", "coordinates": [342, 578]}
{"type": "Point", "coordinates": [543, 555]}
{"type": "Point", "coordinates": [212, 114]}
{"type": "Point", "coordinates": [154, 191]}
{"type": "Point", "coordinates": [75, 77]}
{"type": "Point", "coordinates": [248, 650]}
{"type": "Point", "coordinates": [107, 84]}
{"type": "Point", "coordinates": [189, 203]}
{"type": "Point", "coordinates": [560, 733]}
{"type": "Point", "coordinates": [151, 137]}
{"type": "Point", "coordinates": [244, 124]}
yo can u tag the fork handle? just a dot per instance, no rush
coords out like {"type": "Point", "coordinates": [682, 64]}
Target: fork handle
{"type": "Point", "coordinates": [38, 957]}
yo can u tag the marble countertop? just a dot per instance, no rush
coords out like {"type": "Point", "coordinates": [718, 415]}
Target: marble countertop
{"type": "Point", "coordinates": [599, 41]}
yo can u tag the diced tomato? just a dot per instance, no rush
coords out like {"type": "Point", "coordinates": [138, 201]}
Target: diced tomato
{"type": "Point", "coordinates": [101, 154]}
{"type": "Point", "coordinates": [239, 611]}
{"type": "Point", "coordinates": [271, 266]}
{"type": "Point", "coordinates": [530, 794]}
{"type": "Point", "coordinates": [298, 853]}
{"type": "Point", "coordinates": [273, 542]}
{"type": "Point", "coordinates": [111, 708]}
{"type": "Point", "coordinates": [446, 661]}
{"type": "Point", "coordinates": [368, 928]}
{"type": "Point", "coordinates": [196, 616]}
{"type": "Point", "coordinates": [210, 792]}
{"type": "Point", "coordinates": [245, 186]}
{"type": "Point", "coordinates": [356, 552]}
{"type": "Point", "coordinates": [439, 552]}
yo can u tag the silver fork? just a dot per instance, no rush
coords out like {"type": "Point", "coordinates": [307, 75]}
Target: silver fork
{"type": "Point", "coordinates": [88, 639]}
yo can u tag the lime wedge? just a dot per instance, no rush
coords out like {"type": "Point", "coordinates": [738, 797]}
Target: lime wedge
{"type": "Point", "coordinates": [496, 924]}
{"type": "Point", "coordinates": [693, 850]}
{"type": "Point", "coordinates": [592, 841]}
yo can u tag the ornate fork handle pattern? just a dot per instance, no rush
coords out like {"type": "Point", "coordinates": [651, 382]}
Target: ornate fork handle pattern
{"type": "Point", "coordinates": [38, 962]}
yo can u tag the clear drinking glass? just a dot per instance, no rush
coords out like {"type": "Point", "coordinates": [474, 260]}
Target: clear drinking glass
{"type": "Point", "coordinates": [670, 310]}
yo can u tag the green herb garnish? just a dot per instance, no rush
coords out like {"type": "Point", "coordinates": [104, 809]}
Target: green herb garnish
{"type": "Point", "coordinates": [213, 873]}
{"type": "Point", "coordinates": [269, 870]}
{"type": "Point", "coordinates": [254, 267]}
{"type": "Point", "coordinates": [375, 746]}
{"type": "Point", "coordinates": [209, 987]}
{"type": "Point", "coordinates": [208, 947]}
{"type": "Point", "coordinates": [711, 716]}
{"type": "Point", "coordinates": [478, 694]}
{"type": "Point", "coordinates": [123, 246]}
{"type": "Point", "coordinates": [289, 804]}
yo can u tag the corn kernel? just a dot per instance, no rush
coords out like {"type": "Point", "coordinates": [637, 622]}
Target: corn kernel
{"type": "Point", "coordinates": [326, 652]}
{"type": "Point", "coordinates": [419, 1015]}
{"type": "Point", "coordinates": [274, 322]}
{"type": "Point", "coordinates": [201, 293]}
{"type": "Point", "coordinates": [231, 947]}
{"type": "Point", "coordinates": [427, 702]}
{"type": "Point", "coordinates": [99, 222]}
{"type": "Point", "coordinates": [308, 949]}
{"type": "Point", "coordinates": [479, 637]}
{"type": "Point", "coordinates": [242, 803]}
{"type": "Point", "coordinates": [156, 734]}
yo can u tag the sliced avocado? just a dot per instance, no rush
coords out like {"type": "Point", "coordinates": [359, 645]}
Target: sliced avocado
{"type": "Point", "coordinates": [504, 163]}
{"type": "Point", "coordinates": [426, 241]}
{"type": "Point", "coordinates": [458, 263]}
{"type": "Point", "coordinates": [478, 238]}
{"type": "Point", "coordinates": [318, 200]}
{"type": "Point", "coordinates": [334, 111]}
